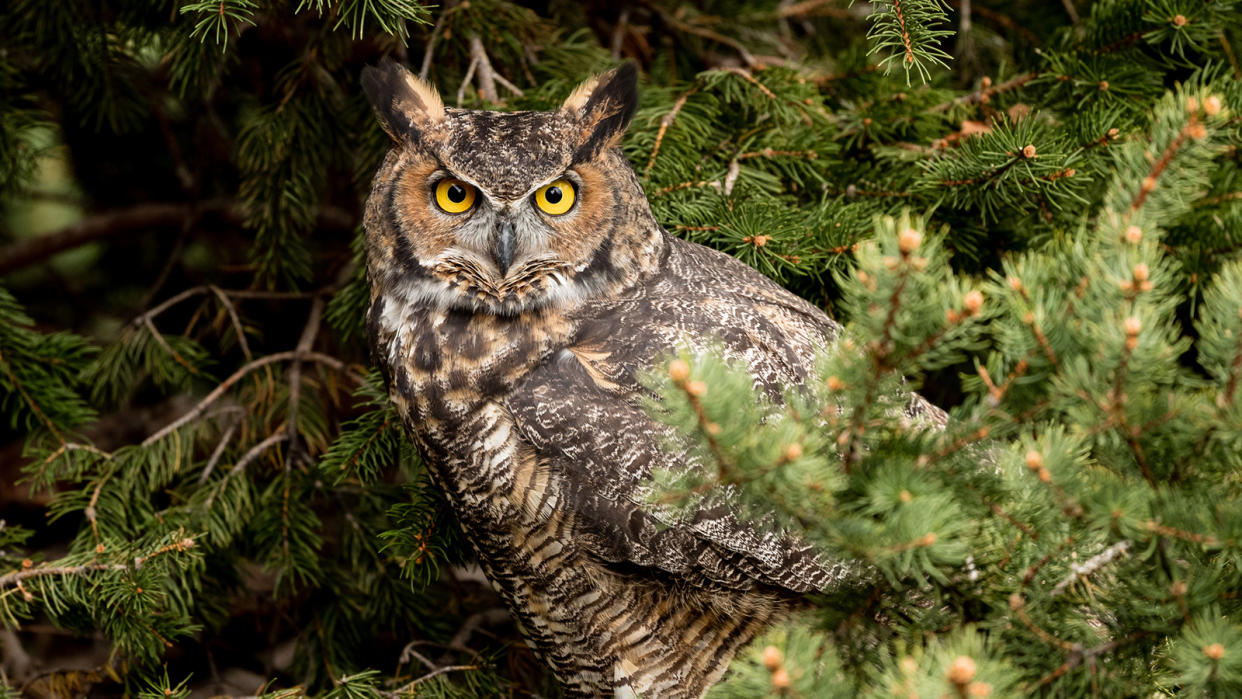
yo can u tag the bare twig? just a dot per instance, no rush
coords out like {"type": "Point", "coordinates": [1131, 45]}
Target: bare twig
{"type": "Point", "coordinates": [461, 91]}
{"type": "Point", "coordinates": [408, 689]}
{"type": "Point", "coordinates": [309, 332]}
{"type": "Point", "coordinates": [428, 52]}
{"type": "Point", "coordinates": [618, 33]}
{"type": "Point", "coordinates": [137, 218]}
{"type": "Point", "coordinates": [159, 338]}
{"type": "Point", "coordinates": [255, 452]}
{"type": "Point", "coordinates": [219, 451]}
{"type": "Point", "coordinates": [986, 93]}
{"type": "Point", "coordinates": [486, 76]}
{"type": "Point", "coordinates": [747, 57]}
{"type": "Point", "coordinates": [665, 122]}
{"type": "Point", "coordinates": [237, 326]}
{"type": "Point", "coordinates": [1070, 10]}
{"type": "Point", "coordinates": [104, 225]}
{"type": "Point", "coordinates": [197, 411]}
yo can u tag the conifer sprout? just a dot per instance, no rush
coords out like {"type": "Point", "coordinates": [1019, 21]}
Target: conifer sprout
{"type": "Point", "coordinates": [1027, 214]}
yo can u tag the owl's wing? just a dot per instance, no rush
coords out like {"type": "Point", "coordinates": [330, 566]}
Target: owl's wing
{"type": "Point", "coordinates": [581, 414]}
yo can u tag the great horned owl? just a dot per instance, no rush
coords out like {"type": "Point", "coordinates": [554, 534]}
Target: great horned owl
{"type": "Point", "coordinates": [519, 285]}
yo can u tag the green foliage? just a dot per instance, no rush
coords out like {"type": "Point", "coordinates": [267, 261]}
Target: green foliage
{"type": "Point", "coordinates": [37, 374]}
{"type": "Point", "coordinates": [1037, 225]}
{"type": "Point", "coordinates": [1078, 508]}
{"type": "Point", "coordinates": [906, 31]}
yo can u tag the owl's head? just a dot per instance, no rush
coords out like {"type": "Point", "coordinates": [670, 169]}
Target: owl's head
{"type": "Point", "coordinates": [504, 212]}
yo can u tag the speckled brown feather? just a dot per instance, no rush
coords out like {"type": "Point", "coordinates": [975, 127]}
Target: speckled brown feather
{"type": "Point", "coordinates": [521, 391]}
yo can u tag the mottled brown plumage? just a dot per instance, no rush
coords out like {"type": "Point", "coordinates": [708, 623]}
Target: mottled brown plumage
{"type": "Point", "coordinates": [511, 340]}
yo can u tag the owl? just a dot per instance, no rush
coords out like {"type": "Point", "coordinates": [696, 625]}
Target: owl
{"type": "Point", "coordinates": [520, 286]}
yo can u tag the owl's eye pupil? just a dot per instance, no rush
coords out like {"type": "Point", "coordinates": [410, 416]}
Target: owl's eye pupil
{"type": "Point", "coordinates": [456, 193]}
{"type": "Point", "coordinates": [553, 195]}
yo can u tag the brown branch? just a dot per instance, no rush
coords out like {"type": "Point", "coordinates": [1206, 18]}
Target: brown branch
{"type": "Point", "coordinates": [686, 185]}
{"type": "Point", "coordinates": [168, 348]}
{"type": "Point", "coordinates": [234, 318]}
{"type": "Point", "coordinates": [198, 410]}
{"type": "Point", "coordinates": [905, 35]}
{"type": "Point", "coordinates": [750, 79]}
{"type": "Point", "coordinates": [986, 93]}
{"type": "Point", "coordinates": [138, 218]}
{"type": "Point", "coordinates": [255, 452]}
{"type": "Point", "coordinates": [408, 690]}
{"type": "Point", "coordinates": [431, 45]}
{"type": "Point", "coordinates": [17, 576]}
{"type": "Point", "coordinates": [34, 406]}
{"type": "Point", "coordinates": [101, 226]}
{"type": "Point", "coordinates": [1148, 184]}
{"type": "Point", "coordinates": [309, 332]}
{"type": "Point", "coordinates": [747, 57]}
{"type": "Point", "coordinates": [665, 122]}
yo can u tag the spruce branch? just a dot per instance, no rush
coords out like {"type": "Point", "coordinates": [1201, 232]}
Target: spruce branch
{"type": "Point", "coordinates": [201, 407]}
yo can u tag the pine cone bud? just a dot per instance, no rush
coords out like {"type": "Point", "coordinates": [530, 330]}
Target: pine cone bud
{"type": "Point", "coordinates": [780, 679]}
{"type": "Point", "coordinates": [1134, 326]}
{"type": "Point", "coordinates": [1028, 151]}
{"type": "Point", "coordinates": [1134, 235]}
{"type": "Point", "coordinates": [1014, 283]}
{"type": "Point", "coordinates": [696, 388]}
{"type": "Point", "coordinates": [1179, 20]}
{"type": "Point", "coordinates": [1215, 651]}
{"type": "Point", "coordinates": [793, 452]}
{"type": "Point", "coordinates": [1211, 105]}
{"type": "Point", "coordinates": [973, 302]}
{"type": "Point", "coordinates": [979, 689]}
{"type": "Point", "coordinates": [678, 371]}
{"type": "Point", "coordinates": [835, 383]}
{"type": "Point", "coordinates": [962, 670]}
{"type": "Point", "coordinates": [909, 241]}
{"type": "Point", "coordinates": [772, 658]}
{"type": "Point", "coordinates": [1034, 460]}
{"type": "Point", "coordinates": [1141, 273]}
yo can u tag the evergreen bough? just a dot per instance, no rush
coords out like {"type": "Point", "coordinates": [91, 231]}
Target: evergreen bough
{"type": "Point", "coordinates": [1033, 220]}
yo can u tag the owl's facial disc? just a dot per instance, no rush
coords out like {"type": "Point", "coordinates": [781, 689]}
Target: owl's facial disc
{"type": "Point", "coordinates": [504, 213]}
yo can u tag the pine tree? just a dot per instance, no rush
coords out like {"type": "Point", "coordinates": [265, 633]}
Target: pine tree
{"type": "Point", "coordinates": [1029, 212]}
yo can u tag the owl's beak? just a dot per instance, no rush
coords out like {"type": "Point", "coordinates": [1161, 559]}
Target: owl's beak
{"type": "Point", "coordinates": [503, 247]}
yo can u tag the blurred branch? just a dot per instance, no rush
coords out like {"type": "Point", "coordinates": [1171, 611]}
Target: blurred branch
{"type": "Point", "coordinates": [142, 217]}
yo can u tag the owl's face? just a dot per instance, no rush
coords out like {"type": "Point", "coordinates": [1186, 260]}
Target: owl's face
{"type": "Point", "coordinates": [502, 212]}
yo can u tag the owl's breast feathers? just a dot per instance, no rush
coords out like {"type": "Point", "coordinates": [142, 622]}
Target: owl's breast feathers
{"type": "Point", "coordinates": [532, 425]}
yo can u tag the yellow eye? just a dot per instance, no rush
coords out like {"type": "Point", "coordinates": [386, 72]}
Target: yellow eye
{"type": "Point", "coordinates": [555, 198]}
{"type": "Point", "coordinates": [454, 196]}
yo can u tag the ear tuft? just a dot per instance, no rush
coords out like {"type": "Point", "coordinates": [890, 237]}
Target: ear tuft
{"type": "Point", "coordinates": [603, 106]}
{"type": "Point", "coordinates": [404, 104]}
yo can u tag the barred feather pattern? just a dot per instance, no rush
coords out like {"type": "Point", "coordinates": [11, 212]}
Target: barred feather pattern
{"type": "Point", "coordinates": [532, 426]}
{"type": "Point", "coordinates": [526, 402]}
